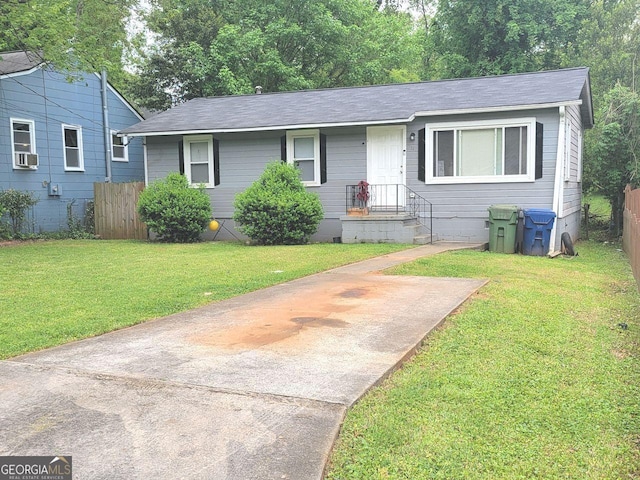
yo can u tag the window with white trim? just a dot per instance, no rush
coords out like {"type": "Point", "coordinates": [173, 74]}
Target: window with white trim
{"type": "Point", "coordinates": [198, 159]}
{"type": "Point", "coordinates": [303, 151]}
{"type": "Point", "coordinates": [73, 155]}
{"type": "Point", "coordinates": [119, 148]}
{"type": "Point", "coordinates": [485, 151]}
{"type": "Point", "coordinates": [23, 137]}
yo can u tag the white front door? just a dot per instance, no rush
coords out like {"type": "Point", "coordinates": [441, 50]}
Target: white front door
{"type": "Point", "coordinates": [386, 165]}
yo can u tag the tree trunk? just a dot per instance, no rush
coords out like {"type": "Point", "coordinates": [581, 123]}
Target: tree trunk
{"type": "Point", "coordinates": [617, 208]}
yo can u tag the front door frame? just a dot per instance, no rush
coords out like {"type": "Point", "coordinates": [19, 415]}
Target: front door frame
{"type": "Point", "coordinates": [371, 133]}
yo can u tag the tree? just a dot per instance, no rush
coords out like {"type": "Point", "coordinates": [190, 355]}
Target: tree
{"type": "Point", "coordinates": [74, 35]}
{"type": "Point", "coordinates": [279, 45]}
{"type": "Point", "coordinates": [277, 208]}
{"type": "Point", "coordinates": [613, 150]}
{"type": "Point", "coordinates": [610, 44]}
{"type": "Point", "coordinates": [472, 38]}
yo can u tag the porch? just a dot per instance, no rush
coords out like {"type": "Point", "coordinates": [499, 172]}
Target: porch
{"type": "Point", "coordinates": [390, 213]}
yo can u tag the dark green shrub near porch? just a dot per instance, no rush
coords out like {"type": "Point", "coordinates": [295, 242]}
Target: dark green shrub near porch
{"type": "Point", "coordinates": [277, 209]}
{"type": "Point", "coordinates": [173, 210]}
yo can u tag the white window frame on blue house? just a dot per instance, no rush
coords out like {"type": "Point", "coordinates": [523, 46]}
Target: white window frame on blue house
{"type": "Point", "coordinates": [124, 145]}
{"type": "Point", "coordinates": [186, 145]}
{"type": "Point", "coordinates": [498, 177]}
{"type": "Point", "coordinates": [292, 135]}
{"type": "Point", "coordinates": [79, 148]}
{"type": "Point", "coordinates": [32, 134]}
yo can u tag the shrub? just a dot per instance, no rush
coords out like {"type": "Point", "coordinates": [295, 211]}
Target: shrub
{"type": "Point", "coordinates": [173, 210]}
{"type": "Point", "coordinates": [15, 204]}
{"type": "Point", "coordinates": [79, 228]}
{"type": "Point", "coordinates": [276, 209]}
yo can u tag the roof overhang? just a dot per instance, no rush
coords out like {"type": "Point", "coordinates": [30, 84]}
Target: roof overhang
{"type": "Point", "coordinates": [508, 108]}
{"type": "Point", "coordinates": [432, 113]}
{"type": "Point", "coordinates": [270, 128]}
{"type": "Point", "coordinates": [588, 103]}
{"type": "Point", "coordinates": [21, 73]}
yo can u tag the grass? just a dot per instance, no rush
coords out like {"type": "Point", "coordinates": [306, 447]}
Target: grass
{"type": "Point", "coordinates": [599, 217]}
{"type": "Point", "coordinates": [599, 206]}
{"type": "Point", "coordinates": [537, 377]}
{"type": "Point", "coordinates": [57, 291]}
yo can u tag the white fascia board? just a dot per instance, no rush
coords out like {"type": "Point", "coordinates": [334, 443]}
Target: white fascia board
{"type": "Point", "coordinates": [20, 74]}
{"type": "Point", "coordinates": [511, 108]}
{"type": "Point", "coordinates": [271, 128]}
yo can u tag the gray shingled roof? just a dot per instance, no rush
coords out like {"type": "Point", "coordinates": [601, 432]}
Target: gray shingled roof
{"type": "Point", "coordinates": [14, 62]}
{"type": "Point", "coordinates": [371, 104]}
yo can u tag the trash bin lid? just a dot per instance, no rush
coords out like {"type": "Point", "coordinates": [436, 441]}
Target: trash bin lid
{"type": "Point", "coordinates": [540, 211]}
{"type": "Point", "coordinates": [502, 212]}
{"type": "Point", "coordinates": [539, 215]}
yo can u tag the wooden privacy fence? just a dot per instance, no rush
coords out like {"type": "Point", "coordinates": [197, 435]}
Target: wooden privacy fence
{"type": "Point", "coordinates": [631, 229]}
{"type": "Point", "coordinates": [115, 211]}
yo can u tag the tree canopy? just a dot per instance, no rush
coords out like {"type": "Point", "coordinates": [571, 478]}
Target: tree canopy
{"type": "Point", "coordinates": [472, 38]}
{"type": "Point", "coordinates": [72, 34]}
{"type": "Point", "coordinates": [229, 47]}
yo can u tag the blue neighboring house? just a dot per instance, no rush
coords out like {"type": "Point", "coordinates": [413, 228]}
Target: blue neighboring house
{"type": "Point", "coordinates": [53, 135]}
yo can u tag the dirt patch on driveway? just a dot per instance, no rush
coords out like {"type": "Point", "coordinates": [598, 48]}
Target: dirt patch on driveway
{"type": "Point", "coordinates": [270, 330]}
{"type": "Point", "coordinates": [282, 321]}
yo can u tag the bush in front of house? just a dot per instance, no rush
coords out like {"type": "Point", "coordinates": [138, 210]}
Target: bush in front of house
{"type": "Point", "coordinates": [173, 210]}
{"type": "Point", "coordinates": [15, 204]}
{"type": "Point", "coordinates": [277, 209]}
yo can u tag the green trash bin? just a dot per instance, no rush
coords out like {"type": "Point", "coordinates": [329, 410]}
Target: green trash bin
{"type": "Point", "coordinates": [503, 223]}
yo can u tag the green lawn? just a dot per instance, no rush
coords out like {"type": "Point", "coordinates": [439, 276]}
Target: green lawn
{"type": "Point", "coordinates": [538, 376]}
{"type": "Point", "coordinates": [57, 291]}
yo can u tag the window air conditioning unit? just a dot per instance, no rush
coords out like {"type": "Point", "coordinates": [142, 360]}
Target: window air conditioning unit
{"type": "Point", "coordinates": [26, 159]}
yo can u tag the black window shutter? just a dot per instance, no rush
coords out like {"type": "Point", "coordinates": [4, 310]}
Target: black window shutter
{"type": "Point", "coordinates": [283, 148]}
{"type": "Point", "coordinates": [181, 157]}
{"type": "Point", "coordinates": [539, 135]}
{"type": "Point", "coordinates": [421, 155]}
{"type": "Point", "coordinates": [323, 158]}
{"type": "Point", "coordinates": [216, 161]}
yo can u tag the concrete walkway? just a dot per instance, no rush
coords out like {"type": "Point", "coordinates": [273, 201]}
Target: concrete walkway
{"type": "Point", "coordinates": [255, 387]}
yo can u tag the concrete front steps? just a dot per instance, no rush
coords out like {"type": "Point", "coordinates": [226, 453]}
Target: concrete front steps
{"type": "Point", "coordinates": [384, 228]}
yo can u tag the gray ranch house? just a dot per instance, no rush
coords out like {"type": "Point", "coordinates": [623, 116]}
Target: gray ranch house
{"type": "Point", "coordinates": [435, 155]}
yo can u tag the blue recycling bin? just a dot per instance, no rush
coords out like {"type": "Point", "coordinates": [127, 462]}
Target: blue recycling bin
{"type": "Point", "coordinates": [538, 223]}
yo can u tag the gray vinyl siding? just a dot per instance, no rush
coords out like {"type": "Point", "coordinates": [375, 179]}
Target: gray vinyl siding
{"type": "Point", "coordinates": [346, 165]}
{"type": "Point", "coordinates": [570, 216]}
{"type": "Point", "coordinates": [242, 160]}
{"type": "Point", "coordinates": [75, 103]}
{"type": "Point", "coordinates": [162, 157]}
{"type": "Point", "coordinates": [460, 211]}
{"type": "Point", "coordinates": [244, 156]}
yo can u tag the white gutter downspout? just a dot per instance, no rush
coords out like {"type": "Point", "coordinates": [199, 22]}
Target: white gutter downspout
{"type": "Point", "coordinates": [557, 187]}
{"type": "Point", "coordinates": [107, 130]}
{"type": "Point", "coordinates": [144, 155]}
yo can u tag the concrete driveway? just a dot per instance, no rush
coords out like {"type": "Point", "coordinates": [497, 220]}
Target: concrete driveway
{"type": "Point", "coordinates": [255, 387]}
